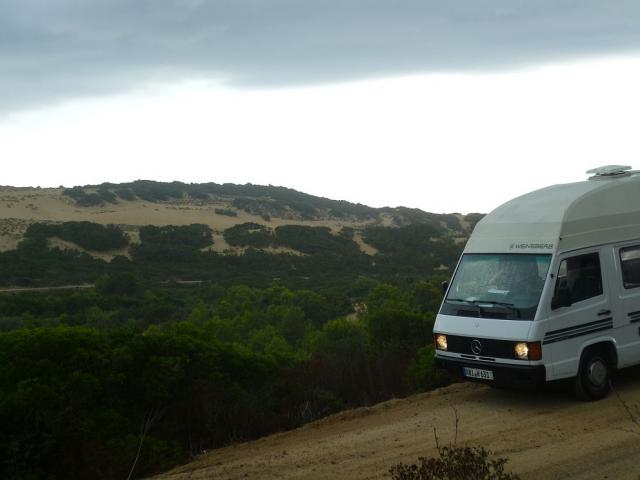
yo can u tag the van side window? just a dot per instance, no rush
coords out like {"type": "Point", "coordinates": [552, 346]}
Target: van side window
{"type": "Point", "coordinates": [630, 262]}
{"type": "Point", "coordinates": [579, 278]}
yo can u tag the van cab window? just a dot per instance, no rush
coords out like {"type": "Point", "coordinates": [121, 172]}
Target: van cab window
{"type": "Point", "coordinates": [579, 278]}
{"type": "Point", "coordinates": [630, 262]}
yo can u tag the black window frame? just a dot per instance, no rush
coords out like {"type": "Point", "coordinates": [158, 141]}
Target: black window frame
{"type": "Point", "coordinates": [565, 261]}
{"type": "Point", "coordinates": [621, 250]}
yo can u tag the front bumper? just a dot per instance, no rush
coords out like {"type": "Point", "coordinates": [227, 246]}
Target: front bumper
{"type": "Point", "coordinates": [504, 375]}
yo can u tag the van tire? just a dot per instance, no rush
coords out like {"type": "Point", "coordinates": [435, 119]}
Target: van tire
{"type": "Point", "coordinates": [594, 376]}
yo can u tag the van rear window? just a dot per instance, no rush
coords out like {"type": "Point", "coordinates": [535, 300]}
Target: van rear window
{"type": "Point", "coordinates": [630, 263]}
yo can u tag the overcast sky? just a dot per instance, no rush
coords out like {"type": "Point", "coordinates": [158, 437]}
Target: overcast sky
{"type": "Point", "coordinates": [452, 105]}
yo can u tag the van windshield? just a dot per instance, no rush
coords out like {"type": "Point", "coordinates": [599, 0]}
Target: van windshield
{"type": "Point", "coordinates": [498, 285]}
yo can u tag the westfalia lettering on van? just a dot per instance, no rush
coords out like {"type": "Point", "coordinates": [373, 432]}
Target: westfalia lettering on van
{"type": "Point", "coordinates": [548, 287]}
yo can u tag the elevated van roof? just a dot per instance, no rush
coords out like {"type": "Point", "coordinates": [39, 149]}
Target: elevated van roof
{"type": "Point", "coordinates": [603, 209]}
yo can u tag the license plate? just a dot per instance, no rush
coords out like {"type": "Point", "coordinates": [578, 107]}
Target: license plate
{"type": "Point", "coordinates": [478, 373]}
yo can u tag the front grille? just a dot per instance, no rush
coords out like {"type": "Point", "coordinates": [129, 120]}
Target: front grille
{"type": "Point", "coordinates": [490, 347]}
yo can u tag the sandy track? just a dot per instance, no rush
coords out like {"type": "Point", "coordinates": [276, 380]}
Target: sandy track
{"type": "Point", "coordinates": [545, 435]}
{"type": "Point", "coordinates": [46, 289]}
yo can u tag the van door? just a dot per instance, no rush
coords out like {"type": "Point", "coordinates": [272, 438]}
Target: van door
{"type": "Point", "coordinates": [627, 290]}
{"type": "Point", "coordinates": [580, 308]}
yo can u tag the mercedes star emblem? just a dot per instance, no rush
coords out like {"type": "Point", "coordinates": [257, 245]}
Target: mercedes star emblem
{"type": "Point", "coordinates": [476, 346]}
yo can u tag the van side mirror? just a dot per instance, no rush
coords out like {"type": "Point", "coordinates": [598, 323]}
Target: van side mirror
{"type": "Point", "coordinates": [562, 298]}
{"type": "Point", "coordinates": [445, 287]}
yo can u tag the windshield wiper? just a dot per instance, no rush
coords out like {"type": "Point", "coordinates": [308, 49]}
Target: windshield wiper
{"type": "Point", "coordinates": [459, 300]}
{"type": "Point", "coordinates": [468, 302]}
{"type": "Point", "coordinates": [493, 302]}
{"type": "Point", "coordinates": [479, 303]}
{"type": "Point", "coordinates": [508, 305]}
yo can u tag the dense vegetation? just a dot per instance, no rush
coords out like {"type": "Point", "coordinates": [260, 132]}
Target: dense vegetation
{"type": "Point", "coordinates": [88, 235]}
{"type": "Point", "coordinates": [180, 253]}
{"type": "Point", "coordinates": [261, 200]}
{"type": "Point", "coordinates": [264, 342]}
{"type": "Point", "coordinates": [227, 212]}
{"type": "Point", "coordinates": [302, 238]}
{"type": "Point", "coordinates": [420, 245]}
{"type": "Point", "coordinates": [171, 243]}
{"type": "Point", "coordinates": [89, 376]}
{"type": "Point", "coordinates": [85, 199]}
{"type": "Point", "coordinates": [249, 235]}
{"type": "Point", "coordinates": [258, 199]}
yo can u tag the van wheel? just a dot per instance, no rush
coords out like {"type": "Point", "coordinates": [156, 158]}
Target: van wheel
{"type": "Point", "coordinates": [593, 380]}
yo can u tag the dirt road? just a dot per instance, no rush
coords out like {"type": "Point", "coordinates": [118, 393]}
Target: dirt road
{"type": "Point", "coordinates": [45, 289]}
{"type": "Point", "coordinates": [545, 435]}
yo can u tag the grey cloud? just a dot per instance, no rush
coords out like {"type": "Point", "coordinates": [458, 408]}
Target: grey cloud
{"type": "Point", "coordinates": [52, 50]}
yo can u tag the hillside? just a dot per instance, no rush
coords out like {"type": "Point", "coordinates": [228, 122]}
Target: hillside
{"type": "Point", "coordinates": [155, 203]}
{"type": "Point", "coordinates": [76, 233]}
{"type": "Point", "coordinates": [203, 314]}
{"type": "Point", "coordinates": [545, 435]}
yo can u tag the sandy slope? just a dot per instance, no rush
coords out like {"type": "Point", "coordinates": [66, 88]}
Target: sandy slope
{"type": "Point", "coordinates": [20, 207]}
{"type": "Point", "coordinates": [545, 435]}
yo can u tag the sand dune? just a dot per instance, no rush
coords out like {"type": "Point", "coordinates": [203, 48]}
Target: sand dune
{"type": "Point", "coordinates": [20, 207]}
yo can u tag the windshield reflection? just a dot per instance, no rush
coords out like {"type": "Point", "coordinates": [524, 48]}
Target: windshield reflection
{"type": "Point", "coordinates": [497, 285]}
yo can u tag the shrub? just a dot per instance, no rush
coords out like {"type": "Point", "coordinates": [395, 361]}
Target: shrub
{"type": "Point", "coordinates": [227, 212]}
{"type": "Point", "coordinates": [473, 219]}
{"type": "Point", "coordinates": [314, 240]}
{"type": "Point", "coordinates": [126, 194]}
{"type": "Point", "coordinates": [89, 235]}
{"type": "Point", "coordinates": [192, 236]}
{"type": "Point", "coordinates": [93, 236]}
{"type": "Point", "coordinates": [422, 374]}
{"type": "Point", "coordinates": [107, 195]}
{"type": "Point", "coordinates": [455, 463]}
{"type": "Point", "coordinates": [248, 235]}
{"type": "Point", "coordinates": [124, 283]}
{"type": "Point", "coordinates": [82, 198]}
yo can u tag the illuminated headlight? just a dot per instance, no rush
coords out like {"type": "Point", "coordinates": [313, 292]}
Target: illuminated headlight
{"type": "Point", "coordinates": [528, 350]}
{"type": "Point", "coordinates": [522, 351]}
{"type": "Point", "coordinates": [441, 342]}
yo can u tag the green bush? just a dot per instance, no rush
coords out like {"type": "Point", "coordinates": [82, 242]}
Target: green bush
{"type": "Point", "coordinates": [249, 235]}
{"type": "Point", "coordinates": [399, 240]}
{"type": "Point", "coordinates": [125, 283]}
{"type": "Point", "coordinates": [88, 235]}
{"type": "Point", "coordinates": [261, 200]}
{"type": "Point", "coordinates": [455, 463]}
{"type": "Point", "coordinates": [194, 236]}
{"type": "Point", "coordinates": [473, 219]}
{"type": "Point", "coordinates": [83, 198]}
{"type": "Point", "coordinates": [107, 195]}
{"type": "Point", "coordinates": [227, 212]}
{"type": "Point", "coordinates": [314, 240]}
{"type": "Point", "coordinates": [422, 374]}
{"type": "Point", "coordinates": [125, 194]}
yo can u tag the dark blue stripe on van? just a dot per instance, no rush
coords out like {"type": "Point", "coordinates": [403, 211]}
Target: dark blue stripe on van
{"type": "Point", "coordinates": [582, 325]}
{"type": "Point", "coordinates": [578, 330]}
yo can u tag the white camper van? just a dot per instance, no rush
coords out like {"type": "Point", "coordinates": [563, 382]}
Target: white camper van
{"type": "Point", "coordinates": [548, 287]}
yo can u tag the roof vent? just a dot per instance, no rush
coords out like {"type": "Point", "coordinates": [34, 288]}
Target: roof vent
{"type": "Point", "coordinates": [609, 170]}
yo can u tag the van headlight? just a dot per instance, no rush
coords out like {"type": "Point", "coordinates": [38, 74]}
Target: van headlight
{"type": "Point", "coordinates": [441, 342]}
{"type": "Point", "coordinates": [528, 350]}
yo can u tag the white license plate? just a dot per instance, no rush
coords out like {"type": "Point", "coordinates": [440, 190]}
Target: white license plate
{"type": "Point", "coordinates": [478, 373]}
